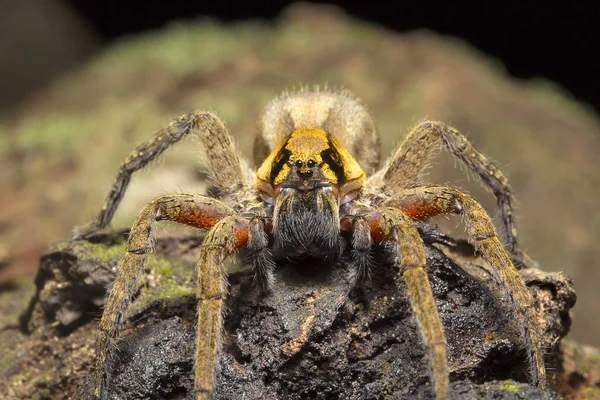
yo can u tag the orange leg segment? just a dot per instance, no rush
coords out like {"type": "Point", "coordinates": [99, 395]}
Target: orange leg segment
{"type": "Point", "coordinates": [199, 212]}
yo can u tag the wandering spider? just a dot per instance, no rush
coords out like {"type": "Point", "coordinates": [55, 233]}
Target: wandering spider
{"type": "Point", "coordinates": [318, 155]}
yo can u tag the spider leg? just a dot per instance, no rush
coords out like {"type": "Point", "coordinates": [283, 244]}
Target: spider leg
{"type": "Point", "coordinates": [362, 257]}
{"type": "Point", "coordinates": [406, 166]}
{"type": "Point", "coordinates": [223, 240]}
{"type": "Point", "coordinates": [391, 224]}
{"type": "Point", "coordinates": [222, 157]}
{"type": "Point", "coordinates": [425, 202]}
{"type": "Point", "coordinates": [195, 210]}
{"type": "Point", "coordinates": [261, 256]}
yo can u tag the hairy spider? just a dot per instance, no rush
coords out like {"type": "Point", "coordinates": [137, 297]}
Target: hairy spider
{"type": "Point", "coordinates": [318, 155]}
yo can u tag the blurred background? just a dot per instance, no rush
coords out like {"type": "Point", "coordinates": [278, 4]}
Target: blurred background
{"type": "Point", "coordinates": [83, 82]}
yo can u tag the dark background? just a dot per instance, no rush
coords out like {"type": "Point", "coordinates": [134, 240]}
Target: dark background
{"type": "Point", "coordinates": [42, 39]}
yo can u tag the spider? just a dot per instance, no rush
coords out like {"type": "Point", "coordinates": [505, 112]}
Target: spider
{"type": "Point", "coordinates": [318, 155]}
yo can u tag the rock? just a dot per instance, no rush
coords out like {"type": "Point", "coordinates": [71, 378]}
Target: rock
{"type": "Point", "coordinates": [313, 337]}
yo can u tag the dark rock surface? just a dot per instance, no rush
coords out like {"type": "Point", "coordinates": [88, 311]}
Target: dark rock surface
{"type": "Point", "coordinates": [313, 337]}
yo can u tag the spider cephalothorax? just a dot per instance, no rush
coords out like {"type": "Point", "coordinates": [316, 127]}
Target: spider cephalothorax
{"type": "Point", "coordinates": [307, 178]}
{"type": "Point", "coordinates": [318, 155]}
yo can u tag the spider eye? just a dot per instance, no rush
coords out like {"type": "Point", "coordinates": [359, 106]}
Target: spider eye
{"type": "Point", "coordinates": [311, 163]}
{"type": "Point", "coordinates": [299, 164]}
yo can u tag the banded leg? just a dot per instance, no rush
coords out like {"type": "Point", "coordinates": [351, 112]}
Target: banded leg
{"type": "Point", "coordinates": [414, 155]}
{"type": "Point", "coordinates": [388, 223]}
{"type": "Point", "coordinates": [222, 157]}
{"type": "Point", "coordinates": [425, 202]}
{"type": "Point", "coordinates": [223, 240]}
{"type": "Point", "coordinates": [195, 210]}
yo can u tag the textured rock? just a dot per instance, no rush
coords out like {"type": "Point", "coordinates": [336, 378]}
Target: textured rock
{"type": "Point", "coordinates": [314, 337]}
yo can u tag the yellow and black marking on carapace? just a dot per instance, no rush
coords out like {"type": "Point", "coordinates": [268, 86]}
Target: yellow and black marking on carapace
{"type": "Point", "coordinates": [310, 144]}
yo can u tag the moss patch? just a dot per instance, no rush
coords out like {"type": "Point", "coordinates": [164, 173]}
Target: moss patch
{"type": "Point", "coordinates": [167, 280]}
{"type": "Point", "coordinates": [511, 386]}
{"type": "Point", "coordinates": [104, 253]}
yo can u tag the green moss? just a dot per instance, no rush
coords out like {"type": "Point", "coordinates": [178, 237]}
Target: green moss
{"type": "Point", "coordinates": [174, 280]}
{"type": "Point", "coordinates": [160, 265]}
{"type": "Point", "coordinates": [171, 279]}
{"type": "Point", "coordinates": [166, 290]}
{"type": "Point", "coordinates": [510, 386]}
{"type": "Point", "coordinates": [102, 252]}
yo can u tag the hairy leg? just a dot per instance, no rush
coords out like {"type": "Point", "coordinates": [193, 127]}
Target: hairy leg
{"type": "Point", "coordinates": [223, 240]}
{"type": "Point", "coordinates": [425, 202]}
{"type": "Point", "coordinates": [391, 224]}
{"type": "Point", "coordinates": [362, 245]}
{"type": "Point", "coordinates": [198, 211]}
{"type": "Point", "coordinates": [222, 157]}
{"type": "Point", "coordinates": [406, 166]}
{"type": "Point", "coordinates": [261, 256]}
